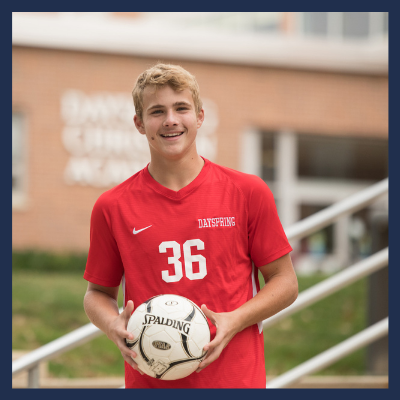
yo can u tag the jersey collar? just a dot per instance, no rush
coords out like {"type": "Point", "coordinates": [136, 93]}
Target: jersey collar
{"type": "Point", "coordinates": [180, 194]}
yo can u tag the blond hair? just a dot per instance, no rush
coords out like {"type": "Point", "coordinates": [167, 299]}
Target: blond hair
{"type": "Point", "coordinates": [160, 75]}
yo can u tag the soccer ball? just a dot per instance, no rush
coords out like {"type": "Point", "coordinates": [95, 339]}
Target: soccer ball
{"type": "Point", "coordinates": [169, 333]}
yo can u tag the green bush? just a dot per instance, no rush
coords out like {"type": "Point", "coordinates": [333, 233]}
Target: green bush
{"type": "Point", "coordinates": [34, 260]}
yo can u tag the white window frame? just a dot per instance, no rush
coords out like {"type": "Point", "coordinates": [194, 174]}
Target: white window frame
{"type": "Point", "coordinates": [19, 168]}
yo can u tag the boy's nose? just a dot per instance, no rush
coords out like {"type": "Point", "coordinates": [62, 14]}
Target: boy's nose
{"type": "Point", "coordinates": [170, 119]}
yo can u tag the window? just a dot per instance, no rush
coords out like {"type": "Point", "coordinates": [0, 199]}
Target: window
{"type": "Point", "coordinates": [268, 157]}
{"type": "Point", "coordinates": [315, 23]}
{"type": "Point", "coordinates": [356, 24]}
{"type": "Point", "coordinates": [319, 243]}
{"type": "Point", "coordinates": [344, 25]}
{"type": "Point", "coordinates": [309, 172]}
{"type": "Point", "coordinates": [265, 22]}
{"type": "Point", "coordinates": [329, 157]}
{"type": "Point", "coordinates": [18, 160]}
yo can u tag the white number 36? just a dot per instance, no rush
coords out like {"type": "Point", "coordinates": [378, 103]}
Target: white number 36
{"type": "Point", "coordinates": [189, 260]}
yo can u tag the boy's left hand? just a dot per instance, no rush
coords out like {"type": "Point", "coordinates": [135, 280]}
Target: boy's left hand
{"type": "Point", "coordinates": [227, 327]}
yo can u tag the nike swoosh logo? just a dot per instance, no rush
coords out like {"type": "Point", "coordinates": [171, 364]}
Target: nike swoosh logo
{"type": "Point", "coordinates": [135, 232]}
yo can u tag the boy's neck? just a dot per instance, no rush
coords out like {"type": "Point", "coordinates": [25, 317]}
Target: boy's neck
{"type": "Point", "coordinates": [176, 174]}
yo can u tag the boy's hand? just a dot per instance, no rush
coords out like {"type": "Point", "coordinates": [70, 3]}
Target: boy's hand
{"type": "Point", "coordinates": [117, 333]}
{"type": "Point", "coordinates": [227, 327]}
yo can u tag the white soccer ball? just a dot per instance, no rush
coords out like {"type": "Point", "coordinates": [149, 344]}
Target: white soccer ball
{"type": "Point", "coordinates": [169, 333]}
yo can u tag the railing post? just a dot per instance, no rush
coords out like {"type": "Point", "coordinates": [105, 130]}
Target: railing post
{"type": "Point", "coordinates": [33, 376]}
{"type": "Point", "coordinates": [378, 299]}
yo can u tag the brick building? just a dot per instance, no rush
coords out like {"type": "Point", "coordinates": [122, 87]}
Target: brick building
{"type": "Point", "coordinates": [309, 115]}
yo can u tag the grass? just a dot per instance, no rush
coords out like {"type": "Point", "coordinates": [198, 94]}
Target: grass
{"type": "Point", "coordinates": [317, 328]}
{"type": "Point", "coordinates": [48, 304]}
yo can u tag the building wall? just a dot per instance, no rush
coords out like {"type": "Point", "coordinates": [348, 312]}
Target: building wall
{"type": "Point", "coordinates": [56, 215]}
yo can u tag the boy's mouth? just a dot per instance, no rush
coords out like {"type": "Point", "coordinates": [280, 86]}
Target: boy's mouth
{"type": "Point", "coordinates": [172, 134]}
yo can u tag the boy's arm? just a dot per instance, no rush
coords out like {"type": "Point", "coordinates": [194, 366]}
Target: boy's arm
{"type": "Point", "coordinates": [101, 307]}
{"type": "Point", "coordinates": [279, 292]}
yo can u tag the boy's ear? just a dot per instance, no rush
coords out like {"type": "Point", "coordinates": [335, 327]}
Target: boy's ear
{"type": "Point", "coordinates": [139, 124]}
{"type": "Point", "coordinates": [200, 118]}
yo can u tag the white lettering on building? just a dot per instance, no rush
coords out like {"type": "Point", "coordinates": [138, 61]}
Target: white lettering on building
{"type": "Point", "coordinates": [104, 146]}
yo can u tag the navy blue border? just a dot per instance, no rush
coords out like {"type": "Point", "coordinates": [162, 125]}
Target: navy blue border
{"type": "Point", "coordinates": [394, 212]}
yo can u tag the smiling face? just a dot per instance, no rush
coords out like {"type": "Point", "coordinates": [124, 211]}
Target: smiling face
{"type": "Point", "coordinates": [170, 122]}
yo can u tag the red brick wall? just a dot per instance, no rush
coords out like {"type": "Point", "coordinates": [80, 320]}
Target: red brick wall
{"type": "Point", "coordinates": [57, 215]}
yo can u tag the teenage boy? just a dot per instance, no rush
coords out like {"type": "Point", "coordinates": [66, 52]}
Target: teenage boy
{"type": "Point", "coordinates": [184, 225]}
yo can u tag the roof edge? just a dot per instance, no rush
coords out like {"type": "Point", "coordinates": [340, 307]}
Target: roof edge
{"type": "Point", "coordinates": [139, 38]}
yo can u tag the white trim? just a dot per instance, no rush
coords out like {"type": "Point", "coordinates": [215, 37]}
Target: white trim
{"type": "Point", "coordinates": [253, 282]}
{"type": "Point", "coordinates": [20, 199]}
{"type": "Point", "coordinates": [335, 25]}
{"type": "Point", "coordinates": [251, 151]}
{"type": "Point", "coordinates": [286, 176]}
{"type": "Point", "coordinates": [141, 37]}
{"type": "Point", "coordinates": [376, 24]}
{"type": "Point", "coordinates": [123, 291]}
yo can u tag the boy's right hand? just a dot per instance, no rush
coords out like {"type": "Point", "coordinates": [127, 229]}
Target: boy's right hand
{"type": "Point", "coordinates": [117, 332]}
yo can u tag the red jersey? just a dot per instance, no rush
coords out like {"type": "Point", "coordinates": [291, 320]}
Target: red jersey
{"type": "Point", "coordinates": [202, 242]}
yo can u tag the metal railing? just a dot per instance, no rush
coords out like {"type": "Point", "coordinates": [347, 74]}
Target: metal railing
{"type": "Point", "coordinates": [332, 355]}
{"type": "Point", "coordinates": [315, 222]}
{"type": "Point", "coordinates": [319, 291]}
{"type": "Point", "coordinates": [330, 214]}
{"type": "Point", "coordinates": [331, 285]}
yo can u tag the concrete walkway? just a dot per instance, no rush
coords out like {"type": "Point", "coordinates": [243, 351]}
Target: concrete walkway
{"type": "Point", "coordinates": [315, 382]}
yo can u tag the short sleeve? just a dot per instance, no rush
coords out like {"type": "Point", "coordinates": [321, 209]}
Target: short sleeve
{"type": "Point", "coordinates": [104, 265]}
{"type": "Point", "coordinates": [267, 239]}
